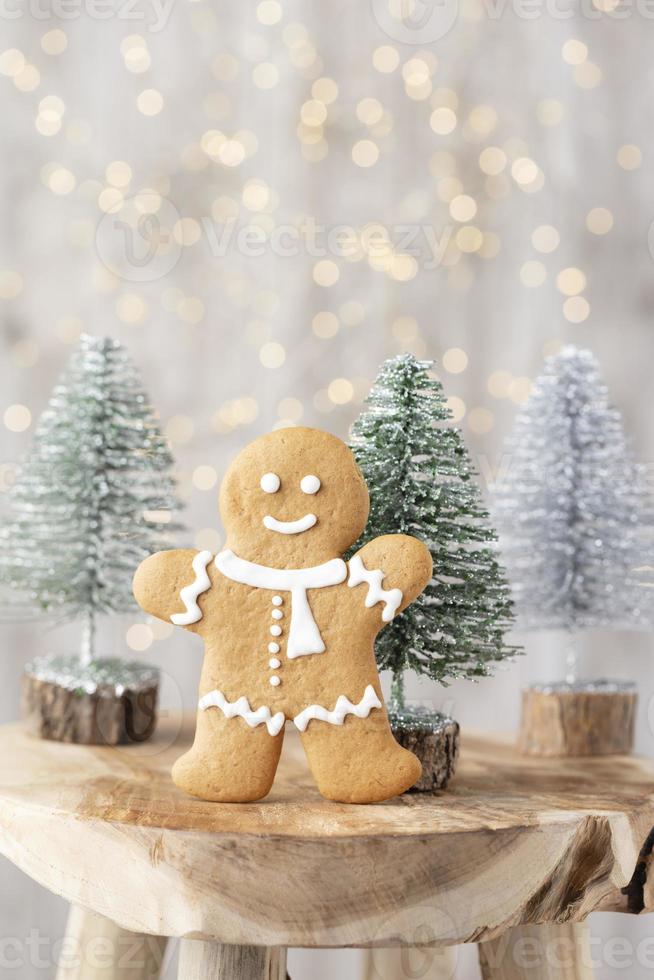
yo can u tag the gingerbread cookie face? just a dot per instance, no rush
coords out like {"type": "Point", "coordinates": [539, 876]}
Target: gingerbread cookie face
{"type": "Point", "coordinates": [293, 497]}
{"type": "Point", "coordinates": [289, 625]}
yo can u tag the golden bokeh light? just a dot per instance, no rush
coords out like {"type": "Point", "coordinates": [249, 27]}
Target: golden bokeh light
{"type": "Point", "coordinates": [480, 420]}
{"type": "Point", "coordinates": [599, 221]}
{"type": "Point", "coordinates": [150, 102]}
{"type": "Point", "coordinates": [325, 273]}
{"type": "Point", "coordinates": [545, 239]}
{"type": "Point", "coordinates": [11, 283]}
{"type": "Point", "coordinates": [204, 477]}
{"type": "Point", "coordinates": [443, 121]}
{"type": "Point", "coordinates": [365, 153]}
{"type": "Point", "coordinates": [325, 325]}
{"type": "Point", "coordinates": [272, 355]}
{"type": "Point", "coordinates": [457, 407]}
{"type": "Point", "coordinates": [139, 637]}
{"type": "Point", "coordinates": [571, 281]}
{"type": "Point", "coordinates": [463, 207]}
{"type": "Point", "coordinates": [54, 42]}
{"type": "Point", "coordinates": [576, 309]}
{"type": "Point", "coordinates": [533, 273]}
{"type": "Point", "coordinates": [17, 418]}
{"type": "Point", "coordinates": [574, 52]}
{"type": "Point", "coordinates": [499, 384]}
{"type": "Point", "coordinates": [455, 360]}
{"type": "Point", "coordinates": [629, 156]}
{"type": "Point", "coordinates": [492, 160]}
{"type": "Point", "coordinates": [340, 391]}
{"type": "Point", "coordinates": [385, 59]}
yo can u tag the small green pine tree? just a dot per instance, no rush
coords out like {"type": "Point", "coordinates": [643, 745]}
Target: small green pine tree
{"type": "Point", "coordinates": [421, 482]}
{"type": "Point", "coordinates": [93, 497]}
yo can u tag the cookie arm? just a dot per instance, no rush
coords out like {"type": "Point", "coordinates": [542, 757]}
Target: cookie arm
{"type": "Point", "coordinates": [168, 585]}
{"type": "Point", "coordinates": [405, 565]}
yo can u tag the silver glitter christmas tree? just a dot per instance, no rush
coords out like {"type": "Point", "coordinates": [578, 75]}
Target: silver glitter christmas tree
{"type": "Point", "coordinates": [574, 509]}
{"type": "Point", "coordinates": [93, 497]}
{"type": "Point", "coordinates": [421, 482]}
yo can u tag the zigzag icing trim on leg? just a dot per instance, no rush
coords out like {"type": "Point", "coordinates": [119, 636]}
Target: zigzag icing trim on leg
{"type": "Point", "coordinates": [241, 709]}
{"type": "Point", "coordinates": [390, 597]}
{"type": "Point", "coordinates": [342, 709]}
{"type": "Point", "coordinates": [189, 594]}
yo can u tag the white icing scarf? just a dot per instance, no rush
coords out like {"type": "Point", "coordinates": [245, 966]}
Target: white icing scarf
{"type": "Point", "coordinates": [304, 636]}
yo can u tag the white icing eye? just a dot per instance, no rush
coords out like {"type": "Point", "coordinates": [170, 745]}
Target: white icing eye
{"type": "Point", "coordinates": [309, 484]}
{"type": "Point", "coordinates": [270, 483]}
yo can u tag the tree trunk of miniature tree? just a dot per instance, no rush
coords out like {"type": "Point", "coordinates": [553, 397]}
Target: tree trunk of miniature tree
{"type": "Point", "coordinates": [430, 735]}
{"type": "Point", "coordinates": [90, 700]}
{"type": "Point", "coordinates": [578, 717]}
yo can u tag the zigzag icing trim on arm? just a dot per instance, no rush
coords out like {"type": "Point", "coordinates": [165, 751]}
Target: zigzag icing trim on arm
{"type": "Point", "coordinates": [189, 594]}
{"type": "Point", "coordinates": [391, 598]}
{"type": "Point", "coordinates": [342, 709]}
{"type": "Point", "coordinates": [241, 709]}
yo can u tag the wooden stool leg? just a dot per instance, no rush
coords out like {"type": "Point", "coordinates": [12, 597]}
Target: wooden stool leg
{"type": "Point", "coordinates": [409, 962]}
{"type": "Point", "coordinates": [538, 952]}
{"type": "Point", "coordinates": [213, 961]}
{"type": "Point", "coordinates": [97, 949]}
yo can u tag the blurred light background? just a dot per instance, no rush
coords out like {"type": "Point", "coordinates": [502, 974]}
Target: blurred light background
{"type": "Point", "coordinates": [264, 200]}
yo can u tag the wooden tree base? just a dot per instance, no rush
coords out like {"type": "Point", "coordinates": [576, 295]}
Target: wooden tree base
{"type": "Point", "coordinates": [108, 702]}
{"type": "Point", "coordinates": [586, 718]}
{"type": "Point", "coordinates": [434, 738]}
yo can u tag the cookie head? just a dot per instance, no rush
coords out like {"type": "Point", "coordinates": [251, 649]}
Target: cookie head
{"type": "Point", "coordinates": [293, 497]}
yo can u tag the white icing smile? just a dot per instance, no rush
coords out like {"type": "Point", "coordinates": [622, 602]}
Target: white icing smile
{"type": "Point", "coordinates": [290, 527]}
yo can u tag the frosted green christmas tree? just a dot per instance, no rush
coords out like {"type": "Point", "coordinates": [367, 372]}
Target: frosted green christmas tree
{"type": "Point", "coordinates": [93, 497]}
{"type": "Point", "coordinates": [421, 482]}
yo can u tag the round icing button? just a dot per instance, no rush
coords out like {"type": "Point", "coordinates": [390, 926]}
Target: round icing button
{"type": "Point", "coordinates": [274, 663]}
{"type": "Point", "coordinates": [270, 483]}
{"type": "Point", "coordinates": [275, 680]}
{"type": "Point", "coordinates": [277, 600]}
{"type": "Point", "coordinates": [273, 648]}
{"type": "Point", "coordinates": [310, 484]}
{"type": "Point", "coordinates": [275, 630]}
{"type": "Point", "coordinates": [277, 614]}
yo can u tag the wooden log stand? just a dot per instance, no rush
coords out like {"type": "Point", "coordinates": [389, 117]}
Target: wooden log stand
{"type": "Point", "coordinates": [581, 719]}
{"type": "Point", "coordinates": [434, 738]}
{"type": "Point", "coordinates": [517, 843]}
{"type": "Point", "coordinates": [108, 702]}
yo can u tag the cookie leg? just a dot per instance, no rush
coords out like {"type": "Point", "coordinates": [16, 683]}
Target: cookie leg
{"type": "Point", "coordinates": [229, 762]}
{"type": "Point", "coordinates": [359, 761]}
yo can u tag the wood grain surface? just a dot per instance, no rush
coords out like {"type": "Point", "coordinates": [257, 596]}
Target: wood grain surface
{"type": "Point", "coordinates": [211, 961]}
{"type": "Point", "coordinates": [544, 952]}
{"type": "Point", "coordinates": [577, 723]}
{"type": "Point", "coordinates": [513, 840]}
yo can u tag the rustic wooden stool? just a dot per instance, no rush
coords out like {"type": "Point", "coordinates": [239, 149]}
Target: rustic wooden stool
{"type": "Point", "coordinates": [513, 856]}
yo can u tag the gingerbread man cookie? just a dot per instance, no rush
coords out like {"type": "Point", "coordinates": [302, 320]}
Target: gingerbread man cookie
{"type": "Point", "coordinates": [289, 627]}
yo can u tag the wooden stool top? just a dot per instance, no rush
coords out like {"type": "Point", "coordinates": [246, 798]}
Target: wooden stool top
{"type": "Point", "coordinates": [514, 840]}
